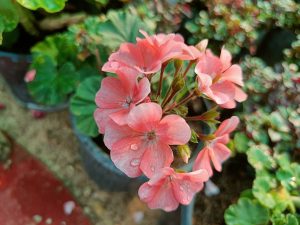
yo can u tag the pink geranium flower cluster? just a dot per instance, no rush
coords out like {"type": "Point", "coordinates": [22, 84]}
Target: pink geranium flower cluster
{"type": "Point", "coordinates": [146, 128]}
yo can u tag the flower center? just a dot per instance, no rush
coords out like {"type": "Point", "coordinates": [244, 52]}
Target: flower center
{"type": "Point", "coordinates": [127, 102]}
{"type": "Point", "coordinates": [151, 135]}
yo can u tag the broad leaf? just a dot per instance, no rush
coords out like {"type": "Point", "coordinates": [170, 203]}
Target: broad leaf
{"type": "Point", "coordinates": [246, 212]}
{"type": "Point", "coordinates": [48, 5]}
{"type": "Point", "coordinates": [83, 105]}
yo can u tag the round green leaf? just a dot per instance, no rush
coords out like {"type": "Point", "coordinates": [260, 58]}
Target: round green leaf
{"type": "Point", "coordinates": [50, 6]}
{"type": "Point", "coordinates": [246, 212]}
{"type": "Point", "coordinates": [83, 105]}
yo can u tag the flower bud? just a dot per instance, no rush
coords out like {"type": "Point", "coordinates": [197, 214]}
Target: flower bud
{"type": "Point", "coordinates": [202, 45]}
{"type": "Point", "coordinates": [178, 83]}
{"type": "Point", "coordinates": [184, 152]}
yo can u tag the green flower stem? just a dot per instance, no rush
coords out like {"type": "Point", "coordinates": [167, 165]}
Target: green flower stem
{"type": "Point", "coordinates": [163, 67]}
{"type": "Point", "coordinates": [182, 102]}
{"type": "Point", "coordinates": [188, 68]}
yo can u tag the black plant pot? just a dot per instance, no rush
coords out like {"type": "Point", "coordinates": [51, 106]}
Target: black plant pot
{"type": "Point", "coordinates": [101, 169]}
{"type": "Point", "coordinates": [13, 68]}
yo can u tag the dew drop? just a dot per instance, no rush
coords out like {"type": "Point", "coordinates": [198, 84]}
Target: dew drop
{"type": "Point", "coordinates": [134, 147]}
{"type": "Point", "coordinates": [152, 168]}
{"type": "Point", "coordinates": [135, 162]}
{"type": "Point", "coordinates": [181, 187]}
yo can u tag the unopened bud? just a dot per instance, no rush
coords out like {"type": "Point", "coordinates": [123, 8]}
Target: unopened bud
{"type": "Point", "coordinates": [202, 45]}
{"type": "Point", "coordinates": [181, 110]}
{"type": "Point", "coordinates": [178, 64]}
{"type": "Point", "coordinates": [184, 152]}
{"type": "Point", "coordinates": [178, 83]}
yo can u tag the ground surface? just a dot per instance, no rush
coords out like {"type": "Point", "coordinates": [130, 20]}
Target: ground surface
{"type": "Point", "coordinates": [52, 141]}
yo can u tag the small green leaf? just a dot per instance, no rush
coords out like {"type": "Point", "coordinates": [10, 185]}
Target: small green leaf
{"type": "Point", "coordinates": [83, 105]}
{"type": "Point", "coordinates": [259, 157]}
{"type": "Point", "coordinates": [194, 137]}
{"type": "Point", "coordinates": [50, 6]}
{"type": "Point", "coordinates": [262, 187]}
{"type": "Point", "coordinates": [241, 142]}
{"type": "Point", "coordinates": [246, 212]}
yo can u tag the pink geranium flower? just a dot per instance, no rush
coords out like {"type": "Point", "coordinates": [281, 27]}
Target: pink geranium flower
{"type": "Point", "coordinates": [216, 150]}
{"type": "Point", "coordinates": [117, 96]}
{"type": "Point", "coordinates": [144, 144]}
{"type": "Point", "coordinates": [166, 189]}
{"type": "Point", "coordinates": [219, 80]}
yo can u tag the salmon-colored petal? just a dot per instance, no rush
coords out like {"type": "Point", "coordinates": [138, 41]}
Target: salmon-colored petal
{"type": "Point", "coordinates": [225, 58]}
{"type": "Point", "coordinates": [204, 82]}
{"type": "Point", "coordinates": [229, 105]}
{"type": "Point", "coordinates": [120, 116]}
{"type": "Point", "coordinates": [203, 161]}
{"type": "Point", "coordinates": [145, 117]}
{"type": "Point", "coordinates": [127, 155]}
{"type": "Point", "coordinates": [111, 93]}
{"type": "Point", "coordinates": [222, 92]}
{"type": "Point", "coordinates": [240, 95]}
{"type": "Point", "coordinates": [156, 157]}
{"type": "Point", "coordinates": [227, 126]}
{"type": "Point", "coordinates": [218, 154]}
{"type": "Point", "coordinates": [159, 197]}
{"type": "Point", "coordinates": [173, 130]}
{"type": "Point", "coordinates": [234, 74]}
{"type": "Point", "coordinates": [115, 133]}
{"type": "Point", "coordinates": [102, 119]}
{"type": "Point", "coordinates": [186, 185]}
{"type": "Point", "coordinates": [209, 64]}
{"type": "Point", "coordinates": [142, 90]}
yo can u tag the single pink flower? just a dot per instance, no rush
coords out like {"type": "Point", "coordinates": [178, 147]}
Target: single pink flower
{"type": "Point", "coordinates": [30, 75]}
{"type": "Point", "coordinates": [166, 189]}
{"type": "Point", "coordinates": [117, 96]}
{"type": "Point", "coordinates": [216, 150]}
{"type": "Point", "coordinates": [144, 144]}
{"type": "Point", "coordinates": [171, 46]}
{"type": "Point", "coordinates": [141, 57]}
{"type": "Point", "coordinates": [219, 80]}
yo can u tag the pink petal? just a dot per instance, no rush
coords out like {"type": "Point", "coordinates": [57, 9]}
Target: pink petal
{"type": "Point", "coordinates": [222, 92]}
{"type": "Point", "coordinates": [142, 91]}
{"type": "Point", "coordinates": [155, 158]}
{"type": "Point", "coordinates": [173, 130]}
{"type": "Point", "coordinates": [145, 117]}
{"type": "Point", "coordinates": [120, 116]}
{"type": "Point", "coordinates": [159, 176]}
{"type": "Point", "coordinates": [240, 95]}
{"type": "Point", "coordinates": [111, 93]}
{"type": "Point", "coordinates": [225, 58]}
{"type": "Point", "coordinates": [102, 119]}
{"type": "Point", "coordinates": [159, 197]}
{"type": "Point", "coordinates": [186, 185]}
{"type": "Point", "coordinates": [204, 82]}
{"type": "Point", "coordinates": [218, 154]}
{"type": "Point", "coordinates": [203, 161]}
{"type": "Point", "coordinates": [209, 64]}
{"type": "Point", "coordinates": [229, 105]}
{"type": "Point", "coordinates": [30, 75]}
{"type": "Point", "coordinates": [234, 74]}
{"type": "Point", "coordinates": [127, 155]}
{"type": "Point", "coordinates": [227, 126]}
{"type": "Point", "coordinates": [115, 133]}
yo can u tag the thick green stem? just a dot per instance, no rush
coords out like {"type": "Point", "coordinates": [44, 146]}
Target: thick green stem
{"type": "Point", "coordinates": [163, 67]}
{"type": "Point", "coordinates": [188, 68]}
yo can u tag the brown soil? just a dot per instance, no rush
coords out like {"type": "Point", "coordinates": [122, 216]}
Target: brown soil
{"type": "Point", "coordinates": [235, 177]}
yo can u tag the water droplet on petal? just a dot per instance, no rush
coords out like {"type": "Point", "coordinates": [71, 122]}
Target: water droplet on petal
{"type": "Point", "coordinates": [134, 147]}
{"type": "Point", "coordinates": [181, 187]}
{"type": "Point", "coordinates": [152, 168]}
{"type": "Point", "coordinates": [135, 162]}
{"type": "Point", "coordinates": [188, 198]}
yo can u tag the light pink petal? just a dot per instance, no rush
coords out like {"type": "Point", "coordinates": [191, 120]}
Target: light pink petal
{"type": "Point", "coordinates": [189, 53]}
{"type": "Point", "coordinates": [145, 117]}
{"type": "Point", "coordinates": [227, 126]}
{"type": "Point", "coordinates": [173, 130]}
{"type": "Point", "coordinates": [155, 158]}
{"type": "Point", "coordinates": [186, 185]}
{"type": "Point", "coordinates": [204, 82]}
{"type": "Point", "coordinates": [120, 117]}
{"type": "Point", "coordinates": [222, 92]}
{"type": "Point", "coordinates": [209, 64]}
{"type": "Point", "coordinates": [218, 154]}
{"type": "Point", "coordinates": [115, 133]}
{"type": "Point", "coordinates": [203, 161]}
{"type": "Point", "coordinates": [240, 95]}
{"type": "Point", "coordinates": [159, 197]}
{"type": "Point", "coordinates": [234, 74]}
{"type": "Point", "coordinates": [229, 105]}
{"type": "Point", "coordinates": [157, 178]}
{"type": "Point", "coordinates": [111, 93]}
{"type": "Point", "coordinates": [225, 58]}
{"type": "Point", "coordinates": [142, 90]}
{"type": "Point", "coordinates": [102, 119]}
{"type": "Point", "coordinates": [127, 155]}
{"type": "Point", "coordinates": [30, 75]}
